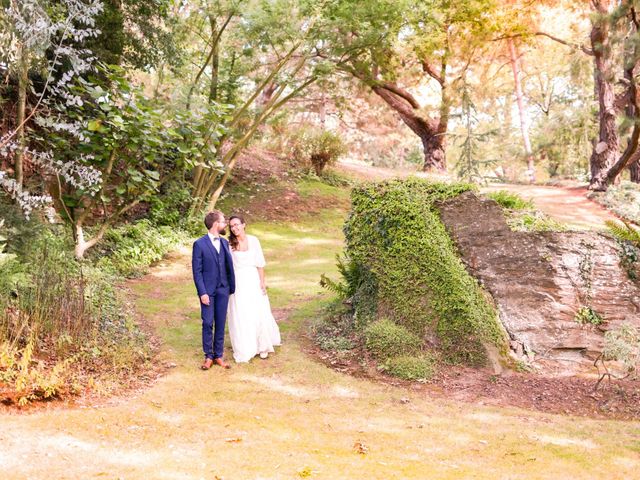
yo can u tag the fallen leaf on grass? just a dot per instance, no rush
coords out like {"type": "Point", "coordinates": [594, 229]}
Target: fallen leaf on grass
{"type": "Point", "coordinates": [361, 448]}
{"type": "Point", "coordinates": [305, 472]}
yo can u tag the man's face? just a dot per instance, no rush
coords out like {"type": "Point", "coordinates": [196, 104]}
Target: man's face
{"type": "Point", "coordinates": [222, 226]}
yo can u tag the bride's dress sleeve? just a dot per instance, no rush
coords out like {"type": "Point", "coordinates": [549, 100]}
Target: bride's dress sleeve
{"type": "Point", "coordinates": [259, 256]}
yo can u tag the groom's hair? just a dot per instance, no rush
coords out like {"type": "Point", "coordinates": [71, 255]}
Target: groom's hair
{"type": "Point", "coordinates": [211, 218]}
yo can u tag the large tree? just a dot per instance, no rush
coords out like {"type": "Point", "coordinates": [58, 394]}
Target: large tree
{"type": "Point", "coordinates": [400, 47]}
{"type": "Point", "coordinates": [254, 56]}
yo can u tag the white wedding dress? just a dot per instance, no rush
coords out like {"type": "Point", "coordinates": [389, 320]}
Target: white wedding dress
{"type": "Point", "coordinates": [252, 328]}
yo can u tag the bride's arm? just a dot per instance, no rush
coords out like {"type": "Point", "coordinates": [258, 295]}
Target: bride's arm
{"type": "Point", "coordinates": [260, 263]}
{"type": "Point", "coordinates": [263, 284]}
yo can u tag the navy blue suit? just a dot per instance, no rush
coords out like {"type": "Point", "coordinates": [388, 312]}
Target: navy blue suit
{"type": "Point", "coordinates": [213, 275]}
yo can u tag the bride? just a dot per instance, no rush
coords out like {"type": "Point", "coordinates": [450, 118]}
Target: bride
{"type": "Point", "coordinates": [252, 328]}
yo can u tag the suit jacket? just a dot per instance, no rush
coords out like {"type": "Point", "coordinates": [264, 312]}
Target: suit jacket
{"type": "Point", "coordinates": [204, 264]}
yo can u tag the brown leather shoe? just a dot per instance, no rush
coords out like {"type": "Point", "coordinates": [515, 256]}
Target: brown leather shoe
{"type": "Point", "coordinates": [207, 364]}
{"type": "Point", "coordinates": [221, 362]}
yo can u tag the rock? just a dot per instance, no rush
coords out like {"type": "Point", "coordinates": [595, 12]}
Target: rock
{"type": "Point", "coordinates": [539, 281]}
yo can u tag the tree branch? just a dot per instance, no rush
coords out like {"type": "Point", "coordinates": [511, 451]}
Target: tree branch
{"type": "Point", "coordinates": [576, 46]}
{"type": "Point", "coordinates": [428, 69]}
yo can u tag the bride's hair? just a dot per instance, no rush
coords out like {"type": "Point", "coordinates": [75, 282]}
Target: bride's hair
{"type": "Point", "coordinates": [233, 240]}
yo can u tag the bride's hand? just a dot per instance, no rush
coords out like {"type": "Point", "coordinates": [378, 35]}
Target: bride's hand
{"type": "Point", "coordinates": [263, 287]}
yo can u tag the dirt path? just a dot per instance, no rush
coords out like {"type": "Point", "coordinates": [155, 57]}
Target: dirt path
{"type": "Point", "coordinates": [290, 416]}
{"type": "Point", "coordinates": [568, 205]}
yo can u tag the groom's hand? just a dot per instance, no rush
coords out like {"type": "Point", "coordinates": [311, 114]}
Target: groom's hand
{"type": "Point", "coordinates": [204, 299]}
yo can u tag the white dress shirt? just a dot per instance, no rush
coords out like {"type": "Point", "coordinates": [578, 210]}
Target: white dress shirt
{"type": "Point", "coordinates": [215, 240]}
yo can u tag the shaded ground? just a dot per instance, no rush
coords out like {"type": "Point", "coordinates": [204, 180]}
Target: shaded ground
{"type": "Point", "coordinates": [560, 395]}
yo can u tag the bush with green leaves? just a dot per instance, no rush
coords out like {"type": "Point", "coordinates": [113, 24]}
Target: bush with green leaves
{"type": "Point", "coordinates": [129, 249]}
{"type": "Point", "coordinates": [385, 339]}
{"type": "Point", "coordinates": [61, 319]}
{"type": "Point", "coordinates": [316, 148]}
{"type": "Point", "coordinates": [407, 367]}
{"type": "Point", "coordinates": [622, 199]}
{"type": "Point", "coordinates": [411, 273]}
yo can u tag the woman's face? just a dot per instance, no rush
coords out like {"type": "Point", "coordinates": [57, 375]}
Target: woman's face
{"type": "Point", "coordinates": [236, 226]}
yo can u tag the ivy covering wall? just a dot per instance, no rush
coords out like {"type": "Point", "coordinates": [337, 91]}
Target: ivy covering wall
{"type": "Point", "coordinates": [410, 273]}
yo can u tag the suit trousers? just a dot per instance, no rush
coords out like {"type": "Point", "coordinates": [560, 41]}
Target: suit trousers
{"type": "Point", "coordinates": [214, 318]}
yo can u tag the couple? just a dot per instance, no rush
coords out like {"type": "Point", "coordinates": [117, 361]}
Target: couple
{"type": "Point", "coordinates": [229, 278]}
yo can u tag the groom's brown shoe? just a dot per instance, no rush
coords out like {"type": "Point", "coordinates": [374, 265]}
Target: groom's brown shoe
{"type": "Point", "coordinates": [221, 362]}
{"type": "Point", "coordinates": [207, 364]}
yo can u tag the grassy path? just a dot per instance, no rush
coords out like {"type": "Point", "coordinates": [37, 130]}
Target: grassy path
{"type": "Point", "coordinates": [290, 417]}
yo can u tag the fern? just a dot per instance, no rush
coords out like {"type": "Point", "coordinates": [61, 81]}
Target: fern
{"type": "Point", "coordinates": [351, 274]}
{"type": "Point", "coordinates": [624, 232]}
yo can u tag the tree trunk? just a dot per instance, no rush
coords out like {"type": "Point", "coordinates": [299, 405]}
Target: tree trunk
{"type": "Point", "coordinates": [607, 145]}
{"type": "Point", "coordinates": [23, 81]}
{"type": "Point", "coordinates": [524, 121]}
{"type": "Point", "coordinates": [215, 60]}
{"type": "Point", "coordinates": [634, 171]}
{"type": "Point", "coordinates": [429, 131]}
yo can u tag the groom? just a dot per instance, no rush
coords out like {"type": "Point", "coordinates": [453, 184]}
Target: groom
{"type": "Point", "coordinates": [213, 275]}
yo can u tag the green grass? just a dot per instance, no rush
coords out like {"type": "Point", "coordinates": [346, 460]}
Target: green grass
{"type": "Point", "coordinates": [510, 200]}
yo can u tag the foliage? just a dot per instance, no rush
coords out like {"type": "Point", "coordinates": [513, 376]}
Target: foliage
{"type": "Point", "coordinates": [407, 367]}
{"type": "Point", "coordinates": [352, 277]}
{"type": "Point", "coordinates": [623, 200]}
{"type": "Point", "coordinates": [385, 339]}
{"type": "Point", "coordinates": [135, 33]}
{"type": "Point", "coordinates": [130, 248]}
{"type": "Point", "coordinates": [588, 315]}
{"type": "Point", "coordinates": [624, 232]}
{"type": "Point", "coordinates": [623, 345]}
{"type": "Point", "coordinates": [310, 147]}
{"type": "Point", "coordinates": [628, 238]}
{"type": "Point", "coordinates": [510, 200]}
{"type": "Point", "coordinates": [413, 275]}
{"type": "Point", "coordinates": [59, 318]}
{"type": "Point", "coordinates": [521, 214]}
{"type": "Point", "coordinates": [29, 379]}
{"type": "Point", "coordinates": [134, 143]}
{"type": "Point", "coordinates": [41, 39]}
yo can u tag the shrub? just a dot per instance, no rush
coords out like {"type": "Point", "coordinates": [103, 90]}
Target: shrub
{"type": "Point", "coordinates": [324, 149]}
{"type": "Point", "coordinates": [510, 200]}
{"type": "Point", "coordinates": [60, 319]}
{"type": "Point", "coordinates": [623, 345]}
{"type": "Point", "coordinates": [129, 249]}
{"type": "Point", "coordinates": [317, 148]}
{"type": "Point", "coordinates": [332, 329]}
{"type": "Point", "coordinates": [385, 339]}
{"type": "Point", "coordinates": [411, 272]}
{"type": "Point", "coordinates": [171, 207]}
{"type": "Point", "coordinates": [420, 367]}
{"type": "Point", "coordinates": [623, 200]}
